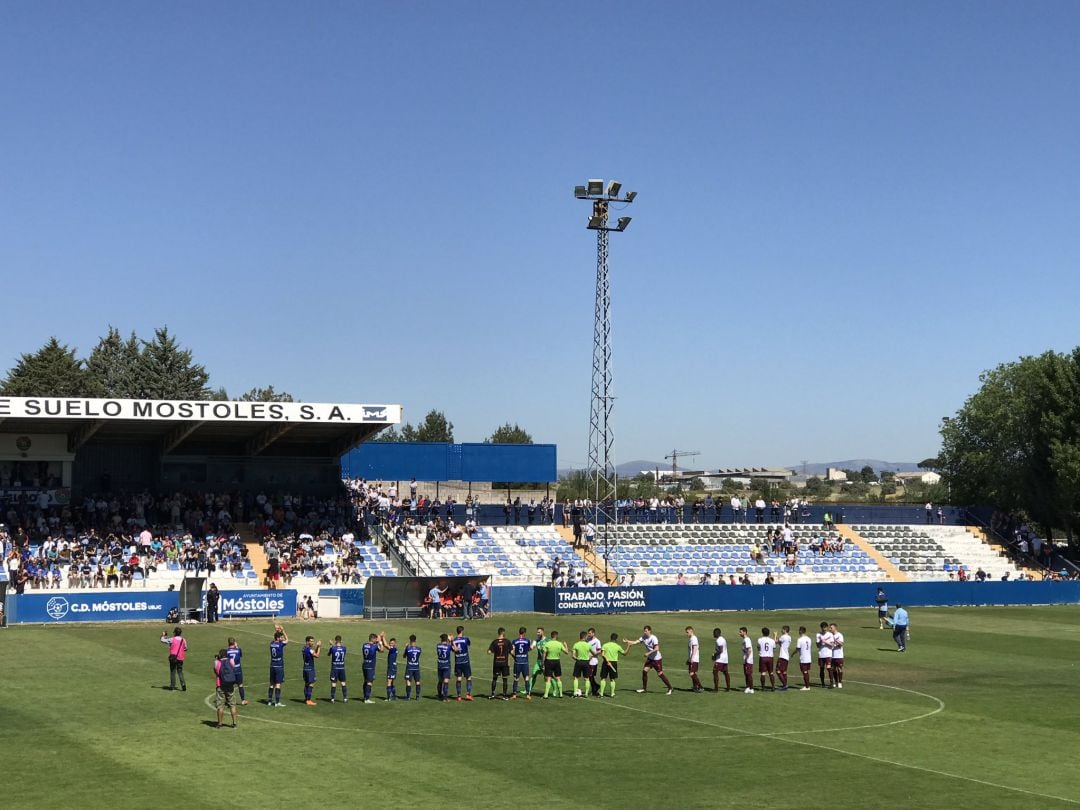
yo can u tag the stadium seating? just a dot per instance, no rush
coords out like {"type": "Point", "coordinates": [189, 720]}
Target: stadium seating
{"type": "Point", "coordinates": [655, 555]}
{"type": "Point", "coordinates": [931, 553]}
{"type": "Point", "coordinates": [515, 555]}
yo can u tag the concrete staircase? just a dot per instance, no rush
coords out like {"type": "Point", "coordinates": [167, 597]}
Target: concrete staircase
{"type": "Point", "coordinates": [256, 555]}
{"type": "Point", "coordinates": [595, 563]}
{"type": "Point", "coordinates": [884, 563]}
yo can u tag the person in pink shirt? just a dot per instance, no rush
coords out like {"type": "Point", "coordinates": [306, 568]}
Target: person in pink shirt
{"type": "Point", "coordinates": [177, 654]}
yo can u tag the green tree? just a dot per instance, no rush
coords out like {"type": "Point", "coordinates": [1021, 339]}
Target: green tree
{"type": "Point", "coordinates": [1015, 443]}
{"type": "Point", "coordinates": [866, 474]}
{"type": "Point", "coordinates": [51, 371]}
{"type": "Point", "coordinates": [731, 486]}
{"type": "Point", "coordinates": [859, 489]}
{"type": "Point", "coordinates": [390, 434]}
{"type": "Point", "coordinates": [508, 434]}
{"type": "Point", "coordinates": [929, 463]}
{"type": "Point", "coordinates": [816, 487]}
{"type": "Point", "coordinates": [267, 394]}
{"type": "Point", "coordinates": [435, 428]}
{"type": "Point", "coordinates": [697, 485]}
{"type": "Point", "coordinates": [572, 486]}
{"type": "Point", "coordinates": [116, 366]}
{"type": "Point", "coordinates": [168, 370]}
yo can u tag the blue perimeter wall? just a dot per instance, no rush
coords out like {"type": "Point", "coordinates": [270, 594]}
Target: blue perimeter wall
{"type": "Point", "coordinates": [777, 597]}
{"type": "Point", "coordinates": [134, 606]}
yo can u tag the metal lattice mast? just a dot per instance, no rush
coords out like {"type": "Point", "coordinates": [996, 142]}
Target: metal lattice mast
{"type": "Point", "coordinates": [600, 469]}
{"type": "Point", "coordinates": [601, 464]}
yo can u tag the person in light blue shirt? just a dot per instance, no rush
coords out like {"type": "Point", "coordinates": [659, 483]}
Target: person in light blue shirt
{"type": "Point", "coordinates": [900, 628]}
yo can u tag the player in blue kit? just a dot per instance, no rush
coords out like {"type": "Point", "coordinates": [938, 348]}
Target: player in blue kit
{"type": "Point", "coordinates": [391, 669]}
{"type": "Point", "coordinates": [235, 654]}
{"type": "Point", "coordinates": [443, 652]}
{"type": "Point", "coordinates": [520, 648]}
{"type": "Point", "coordinates": [337, 670]}
{"type": "Point", "coordinates": [462, 664]}
{"type": "Point", "coordinates": [309, 652]}
{"type": "Point", "coordinates": [370, 654]}
{"type": "Point", "coordinates": [277, 667]}
{"type": "Point", "coordinates": [412, 668]}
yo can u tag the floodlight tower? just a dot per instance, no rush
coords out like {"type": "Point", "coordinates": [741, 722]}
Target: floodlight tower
{"type": "Point", "coordinates": [600, 468]}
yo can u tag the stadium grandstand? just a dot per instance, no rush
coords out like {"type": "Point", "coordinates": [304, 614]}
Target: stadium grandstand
{"type": "Point", "coordinates": [112, 493]}
{"type": "Point", "coordinates": [647, 554]}
{"type": "Point", "coordinates": [121, 494]}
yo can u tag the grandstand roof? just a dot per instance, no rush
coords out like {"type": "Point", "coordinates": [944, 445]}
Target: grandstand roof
{"type": "Point", "coordinates": [315, 429]}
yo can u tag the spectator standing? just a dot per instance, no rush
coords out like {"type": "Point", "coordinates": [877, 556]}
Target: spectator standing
{"type": "Point", "coordinates": [177, 653]}
{"type": "Point", "coordinates": [900, 628]}
{"type": "Point", "coordinates": [435, 600]}
{"type": "Point", "coordinates": [213, 596]}
{"type": "Point", "coordinates": [467, 591]}
{"type": "Point", "coordinates": [882, 602]}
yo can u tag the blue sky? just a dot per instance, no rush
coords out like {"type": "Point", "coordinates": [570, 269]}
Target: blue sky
{"type": "Point", "coordinates": [847, 211]}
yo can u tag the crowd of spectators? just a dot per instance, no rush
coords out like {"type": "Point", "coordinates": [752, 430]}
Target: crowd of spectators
{"type": "Point", "coordinates": [675, 509]}
{"type": "Point", "coordinates": [110, 539]}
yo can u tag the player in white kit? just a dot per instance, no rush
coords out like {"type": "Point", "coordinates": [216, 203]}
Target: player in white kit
{"type": "Point", "coordinates": [783, 656]}
{"type": "Point", "coordinates": [806, 656]}
{"type": "Point", "coordinates": [720, 661]}
{"type": "Point", "coordinates": [837, 656]}
{"type": "Point", "coordinates": [824, 654]}
{"type": "Point", "coordinates": [693, 659]}
{"type": "Point", "coordinates": [747, 660]}
{"type": "Point", "coordinates": [766, 655]}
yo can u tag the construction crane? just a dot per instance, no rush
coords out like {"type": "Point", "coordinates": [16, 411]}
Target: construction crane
{"type": "Point", "coordinates": [675, 455]}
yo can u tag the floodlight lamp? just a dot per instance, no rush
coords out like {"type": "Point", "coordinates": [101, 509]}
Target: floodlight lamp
{"type": "Point", "coordinates": [596, 222]}
{"type": "Point", "coordinates": [596, 188]}
{"type": "Point", "coordinates": [581, 192]}
{"type": "Point", "coordinates": [623, 222]}
{"type": "Point", "coordinates": [630, 196]}
{"type": "Point", "coordinates": [613, 189]}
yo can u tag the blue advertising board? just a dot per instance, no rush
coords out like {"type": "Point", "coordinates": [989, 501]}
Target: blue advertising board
{"type": "Point", "coordinates": [439, 461]}
{"type": "Point", "coordinates": [257, 603]}
{"type": "Point", "coordinates": [110, 606]}
{"type": "Point", "coordinates": [602, 600]}
{"type": "Point", "coordinates": [660, 598]}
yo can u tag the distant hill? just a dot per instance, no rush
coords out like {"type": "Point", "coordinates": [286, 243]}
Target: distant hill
{"type": "Point", "coordinates": [819, 467]}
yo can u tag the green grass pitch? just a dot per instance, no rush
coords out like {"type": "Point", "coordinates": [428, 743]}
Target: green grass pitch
{"type": "Point", "coordinates": [980, 712]}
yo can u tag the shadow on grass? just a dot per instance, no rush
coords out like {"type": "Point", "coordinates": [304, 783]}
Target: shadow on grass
{"type": "Point", "coordinates": [887, 649]}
